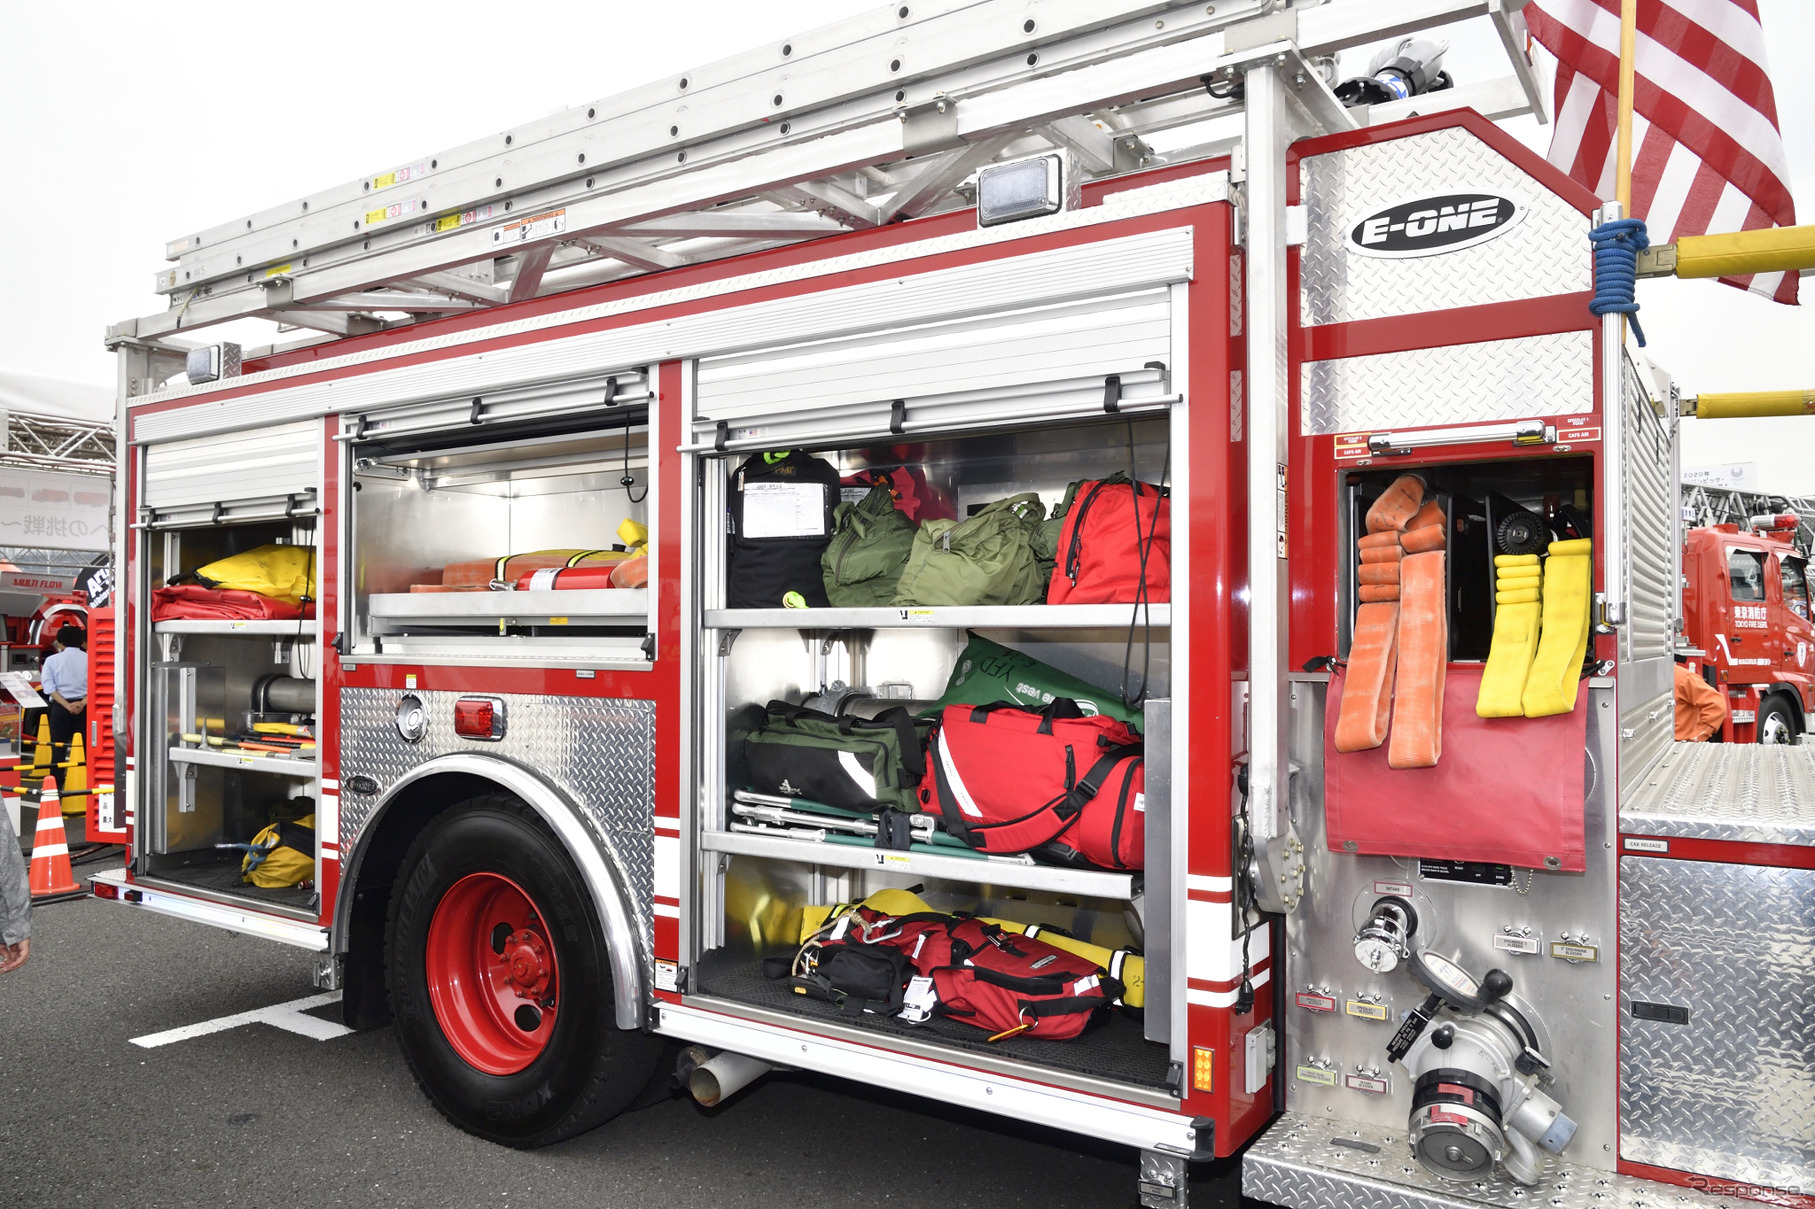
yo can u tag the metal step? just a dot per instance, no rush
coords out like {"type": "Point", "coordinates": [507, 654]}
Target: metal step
{"type": "Point", "coordinates": [1304, 1162]}
{"type": "Point", "coordinates": [1747, 793]}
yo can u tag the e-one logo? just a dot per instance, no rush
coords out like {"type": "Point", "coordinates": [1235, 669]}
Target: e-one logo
{"type": "Point", "coordinates": [1434, 224]}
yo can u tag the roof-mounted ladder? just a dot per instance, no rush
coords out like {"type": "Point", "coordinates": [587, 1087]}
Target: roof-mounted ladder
{"type": "Point", "coordinates": [857, 124]}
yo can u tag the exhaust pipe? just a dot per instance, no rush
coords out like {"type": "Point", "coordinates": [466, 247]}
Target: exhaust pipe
{"type": "Point", "coordinates": [712, 1080]}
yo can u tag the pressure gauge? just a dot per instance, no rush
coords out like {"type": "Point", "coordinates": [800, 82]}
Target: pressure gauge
{"type": "Point", "coordinates": [1455, 985]}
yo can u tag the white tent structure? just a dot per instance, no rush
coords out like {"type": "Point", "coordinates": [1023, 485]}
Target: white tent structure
{"type": "Point", "coordinates": [56, 470]}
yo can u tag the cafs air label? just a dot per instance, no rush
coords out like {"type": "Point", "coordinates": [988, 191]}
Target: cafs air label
{"type": "Point", "coordinates": [1434, 223]}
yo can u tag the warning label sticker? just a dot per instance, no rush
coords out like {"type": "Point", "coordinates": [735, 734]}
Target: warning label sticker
{"type": "Point", "coordinates": [538, 226]}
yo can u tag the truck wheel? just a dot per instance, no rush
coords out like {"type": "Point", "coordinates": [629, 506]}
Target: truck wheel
{"type": "Point", "coordinates": [1774, 722]}
{"type": "Point", "coordinates": [500, 981]}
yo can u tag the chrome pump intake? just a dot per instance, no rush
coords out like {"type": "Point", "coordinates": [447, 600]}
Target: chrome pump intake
{"type": "Point", "coordinates": [1477, 1078]}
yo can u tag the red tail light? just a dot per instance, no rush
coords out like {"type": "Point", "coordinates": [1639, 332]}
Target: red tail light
{"type": "Point", "coordinates": [479, 718]}
{"type": "Point", "coordinates": [106, 890]}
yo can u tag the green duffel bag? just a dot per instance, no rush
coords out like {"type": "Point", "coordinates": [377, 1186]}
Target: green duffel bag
{"type": "Point", "coordinates": [986, 559]}
{"type": "Point", "coordinates": [871, 540]}
{"type": "Point", "coordinates": [988, 671]}
{"type": "Point", "coordinates": [1048, 533]}
{"type": "Point", "coordinates": [848, 762]}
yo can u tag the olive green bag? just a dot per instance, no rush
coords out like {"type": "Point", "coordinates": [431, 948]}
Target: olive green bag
{"type": "Point", "coordinates": [871, 540]}
{"type": "Point", "coordinates": [986, 559]}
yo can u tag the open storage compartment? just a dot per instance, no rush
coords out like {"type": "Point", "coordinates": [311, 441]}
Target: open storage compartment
{"type": "Point", "coordinates": [1505, 791]}
{"type": "Point", "coordinates": [452, 518]}
{"type": "Point", "coordinates": [211, 780]}
{"type": "Point", "coordinates": [762, 873]}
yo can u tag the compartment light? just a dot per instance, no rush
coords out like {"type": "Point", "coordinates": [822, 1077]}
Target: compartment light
{"type": "Point", "coordinates": [1025, 189]}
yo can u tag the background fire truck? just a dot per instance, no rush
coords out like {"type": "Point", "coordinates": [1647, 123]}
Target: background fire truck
{"type": "Point", "coordinates": [1746, 608]}
{"type": "Point", "coordinates": [1005, 250]}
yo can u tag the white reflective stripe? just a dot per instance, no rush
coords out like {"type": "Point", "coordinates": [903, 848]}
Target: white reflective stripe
{"type": "Point", "coordinates": [1223, 999]}
{"type": "Point", "coordinates": [49, 850]}
{"type": "Point", "coordinates": [957, 782]}
{"type": "Point", "coordinates": [864, 780]}
{"type": "Point", "coordinates": [1032, 930]}
{"type": "Point", "coordinates": [1211, 953]}
{"type": "Point", "coordinates": [1199, 881]}
{"type": "Point", "coordinates": [543, 580]}
{"type": "Point", "coordinates": [668, 866]}
{"type": "Point", "coordinates": [1117, 960]}
{"type": "Point", "coordinates": [666, 911]}
{"type": "Point", "coordinates": [50, 822]}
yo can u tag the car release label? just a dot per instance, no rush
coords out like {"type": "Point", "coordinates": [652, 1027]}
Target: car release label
{"type": "Point", "coordinates": [1434, 223]}
{"type": "Point", "coordinates": [1635, 844]}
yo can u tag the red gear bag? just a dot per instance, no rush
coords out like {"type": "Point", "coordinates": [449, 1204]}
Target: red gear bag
{"type": "Point", "coordinates": [1110, 525]}
{"type": "Point", "coordinates": [1008, 779]}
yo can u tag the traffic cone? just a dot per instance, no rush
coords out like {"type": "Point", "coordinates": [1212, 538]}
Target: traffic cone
{"type": "Point", "coordinates": [75, 779]}
{"type": "Point", "coordinates": [51, 874]}
{"type": "Point", "coordinates": [41, 754]}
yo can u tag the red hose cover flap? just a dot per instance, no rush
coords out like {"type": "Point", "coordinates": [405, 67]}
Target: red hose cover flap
{"type": "Point", "coordinates": [1508, 790]}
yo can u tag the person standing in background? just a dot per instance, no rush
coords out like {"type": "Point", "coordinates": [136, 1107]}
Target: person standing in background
{"type": "Point", "coordinates": [64, 680]}
{"type": "Point", "coordinates": [1701, 709]}
{"type": "Point", "coordinates": [15, 906]}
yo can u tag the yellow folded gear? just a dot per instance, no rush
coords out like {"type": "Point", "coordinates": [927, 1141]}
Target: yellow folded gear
{"type": "Point", "coordinates": [1517, 596]}
{"type": "Point", "coordinates": [1508, 662]}
{"type": "Point", "coordinates": [1507, 577]}
{"type": "Point", "coordinates": [1515, 560]}
{"type": "Point", "coordinates": [1550, 688]}
{"type": "Point", "coordinates": [633, 534]}
{"type": "Point", "coordinates": [1129, 968]}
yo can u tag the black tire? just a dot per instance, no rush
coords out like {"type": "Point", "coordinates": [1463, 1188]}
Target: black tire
{"type": "Point", "coordinates": [590, 1070]}
{"type": "Point", "coordinates": [1776, 724]}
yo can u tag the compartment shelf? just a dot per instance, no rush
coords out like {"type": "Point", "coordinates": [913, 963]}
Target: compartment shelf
{"type": "Point", "coordinates": [246, 761]}
{"type": "Point", "coordinates": [1090, 883]}
{"type": "Point", "coordinates": [281, 629]}
{"type": "Point", "coordinates": [984, 617]}
{"type": "Point", "coordinates": [534, 607]}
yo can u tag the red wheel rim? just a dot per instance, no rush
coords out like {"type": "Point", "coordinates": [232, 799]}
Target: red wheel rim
{"type": "Point", "coordinates": [492, 974]}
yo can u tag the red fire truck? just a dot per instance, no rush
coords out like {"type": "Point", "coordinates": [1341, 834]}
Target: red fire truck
{"type": "Point", "coordinates": [1007, 250]}
{"type": "Point", "coordinates": [1746, 608]}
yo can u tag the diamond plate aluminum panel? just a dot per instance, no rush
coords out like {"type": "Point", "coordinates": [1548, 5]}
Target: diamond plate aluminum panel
{"type": "Point", "coordinates": [1730, 1093]}
{"type": "Point", "coordinates": [1306, 1162]}
{"type": "Point", "coordinates": [599, 751]}
{"type": "Point", "coordinates": [1545, 253]}
{"type": "Point", "coordinates": [1751, 793]}
{"type": "Point", "coordinates": [1455, 384]}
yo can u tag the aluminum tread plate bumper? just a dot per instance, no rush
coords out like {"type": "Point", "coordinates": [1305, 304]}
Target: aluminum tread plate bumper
{"type": "Point", "coordinates": [1297, 1164]}
{"type": "Point", "coordinates": [1744, 792]}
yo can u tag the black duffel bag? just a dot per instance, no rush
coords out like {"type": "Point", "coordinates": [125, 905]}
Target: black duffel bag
{"type": "Point", "coordinates": [849, 762]}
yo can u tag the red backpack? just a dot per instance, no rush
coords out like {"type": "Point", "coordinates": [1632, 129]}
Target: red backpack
{"type": "Point", "coordinates": [1008, 779]}
{"type": "Point", "coordinates": [1110, 531]}
{"type": "Point", "coordinates": [1014, 985]}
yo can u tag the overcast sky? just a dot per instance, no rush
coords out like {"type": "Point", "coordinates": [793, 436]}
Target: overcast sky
{"type": "Point", "coordinates": [126, 125]}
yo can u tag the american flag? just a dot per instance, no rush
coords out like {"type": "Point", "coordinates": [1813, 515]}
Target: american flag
{"type": "Point", "coordinates": [1707, 154]}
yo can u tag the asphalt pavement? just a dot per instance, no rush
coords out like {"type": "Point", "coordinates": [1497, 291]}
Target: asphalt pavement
{"type": "Point", "coordinates": [256, 1115]}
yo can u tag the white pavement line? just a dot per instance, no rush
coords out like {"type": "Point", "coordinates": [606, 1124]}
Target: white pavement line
{"type": "Point", "coordinates": [286, 1016]}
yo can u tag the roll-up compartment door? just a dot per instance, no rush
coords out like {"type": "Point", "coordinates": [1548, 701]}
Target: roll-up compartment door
{"type": "Point", "coordinates": [1026, 362]}
{"type": "Point", "coordinates": [476, 414]}
{"type": "Point", "coordinates": [1031, 364]}
{"type": "Point", "coordinates": [263, 474]}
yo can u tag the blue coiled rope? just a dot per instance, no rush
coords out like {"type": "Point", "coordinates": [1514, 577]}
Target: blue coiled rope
{"type": "Point", "coordinates": [1617, 246]}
